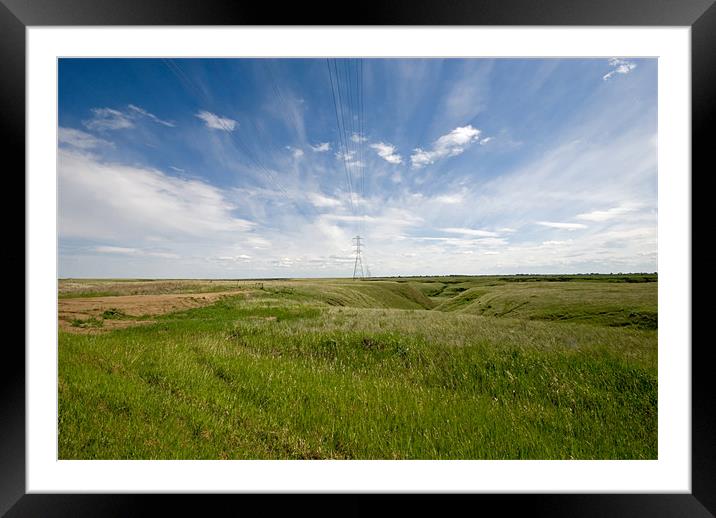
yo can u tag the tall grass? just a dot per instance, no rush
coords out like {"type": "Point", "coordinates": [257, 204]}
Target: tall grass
{"type": "Point", "coordinates": [309, 370]}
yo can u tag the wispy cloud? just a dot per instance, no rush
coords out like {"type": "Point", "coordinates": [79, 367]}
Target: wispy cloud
{"type": "Point", "coordinates": [358, 138]}
{"type": "Point", "coordinates": [619, 66]}
{"type": "Point", "coordinates": [470, 232]}
{"type": "Point", "coordinates": [79, 139]}
{"type": "Point", "coordinates": [606, 215]}
{"type": "Point", "coordinates": [387, 152]}
{"type": "Point", "coordinates": [463, 241]}
{"type": "Point", "coordinates": [319, 200]}
{"type": "Point", "coordinates": [449, 199]}
{"type": "Point", "coordinates": [295, 152]}
{"type": "Point", "coordinates": [122, 250]}
{"type": "Point", "coordinates": [466, 94]}
{"type": "Point", "coordinates": [115, 250]}
{"type": "Point", "coordinates": [104, 119]}
{"type": "Point", "coordinates": [240, 258]}
{"type": "Point", "coordinates": [562, 226]}
{"type": "Point", "coordinates": [108, 119]}
{"type": "Point", "coordinates": [451, 144]}
{"type": "Point", "coordinates": [350, 158]}
{"type": "Point", "coordinates": [144, 113]}
{"type": "Point", "coordinates": [101, 200]}
{"type": "Point", "coordinates": [321, 147]}
{"type": "Point", "coordinates": [215, 121]}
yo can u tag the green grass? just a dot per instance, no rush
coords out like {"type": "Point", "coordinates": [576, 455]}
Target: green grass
{"type": "Point", "coordinates": [305, 369]}
{"type": "Point", "coordinates": [91, 322]}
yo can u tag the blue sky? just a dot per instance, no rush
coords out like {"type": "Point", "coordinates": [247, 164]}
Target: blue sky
{"type": "Point", "coordinates": [239, 168]}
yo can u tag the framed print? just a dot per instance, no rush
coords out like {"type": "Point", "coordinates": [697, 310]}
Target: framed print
{"type": "Point", "coordinates": [432, 250]}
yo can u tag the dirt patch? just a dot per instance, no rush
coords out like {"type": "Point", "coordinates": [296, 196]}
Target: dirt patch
{"type": "Point", "coordinates": [97, 314]}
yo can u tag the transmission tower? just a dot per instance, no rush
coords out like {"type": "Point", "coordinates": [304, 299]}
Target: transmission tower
{"type": "Point", "coordinates": [358, 265]}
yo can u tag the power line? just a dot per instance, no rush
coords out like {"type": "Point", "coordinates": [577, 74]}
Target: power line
{"type": "Point", "coordinates": [361, 119]}
{"type": "Point", "coordinates": [347, 151]}
{"type": "Point", "coordinates": [341, 133]}
{"type": "Point", "coordinates": [348, 102]}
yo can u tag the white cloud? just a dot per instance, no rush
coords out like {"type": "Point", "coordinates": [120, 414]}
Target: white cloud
{"type": "Point", "coordinates": [449, 199]}
{"type": "Point", "coordinates": [241, 258]}
{"type": "Point", "coordinates": [163, 255]}
{"type": "Point", "coordinates": [485, 141]}
{"type": "Point", "coordinates": [107, 201]}
{"type": "Point", "coordinates": [387, 152]}
{"type": "Point", "coordinates": [470, 232]}
{"type": "Point", "coordinates": [389, 222]}
{"type": "Point", "coordinates": [420, 158]}
{"type": "Point", "coordinates": [562, 226]}
{"type": "Point", "coordinates": [123, 250]}
{"type": "Point", "coordinates": [319, 200]}
{"type": "Point", "coordinates": [257, 242]}
{"type": "Point", "coordinates": [358, 138]}
{"type": "Point", "coordinates": [105, 119]}
{"type": "Point", "coordinates": [555, 243]}
{"type": "Point", "coordinates": [79, 139]}
{"type": "Point", "coordinates": [145, 113]}
{"type": "Point", "coordinates": [619, 66]}
{"type": "Point", "coordinates": [605, 215]}
{"type": "Point", "coordinates": [451, 144]}
{"type": "Point", "coordinates": [115, 250]}
{"type": "Point", "coordinates": [349, 157]}
{"type": "Point", "coordinates": [295, 152]}
{"type": "Point", "coordinates": [321, 147]}
{"type": "Point", "coordinates": [463, 241]}
{"type": "Point", "coordinates": [215, 121]}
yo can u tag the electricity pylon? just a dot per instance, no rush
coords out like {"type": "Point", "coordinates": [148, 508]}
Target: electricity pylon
{"type": "Point", "coordinates": [359, 259]}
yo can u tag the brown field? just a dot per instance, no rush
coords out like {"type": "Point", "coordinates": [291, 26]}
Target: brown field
{"type": "Point", "coordinates": [132, 309]}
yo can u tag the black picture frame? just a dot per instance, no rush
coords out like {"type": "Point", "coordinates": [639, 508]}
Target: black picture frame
{"type": "Point", "coordinates": [700, 15]}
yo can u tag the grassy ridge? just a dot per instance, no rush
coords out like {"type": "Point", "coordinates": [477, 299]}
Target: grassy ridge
{"type": "Point", "coordinates": [614, 304]}
{"type": "Point", "coordinates": [340, 369]}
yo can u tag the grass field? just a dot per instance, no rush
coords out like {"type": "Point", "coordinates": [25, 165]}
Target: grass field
{"type": "Point", "coordinates": [541, 367]}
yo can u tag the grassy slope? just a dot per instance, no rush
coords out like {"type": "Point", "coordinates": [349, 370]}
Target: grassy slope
{"type": "Point", "coordinates": [614, 304]}
{"type": "Point", "coordinates": [337, 369]}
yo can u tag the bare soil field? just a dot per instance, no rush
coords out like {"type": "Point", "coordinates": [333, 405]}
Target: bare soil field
{"type": "Point", "coordinates": [97, 314]}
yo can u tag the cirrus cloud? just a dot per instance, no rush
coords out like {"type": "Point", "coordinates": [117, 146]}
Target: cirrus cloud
{"type": "Point", "coordinates": [561, 225]}
{"type": "Point", "coordinates": [109, 119]}
{"type": "Point", "coordinates": [79, 139]}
